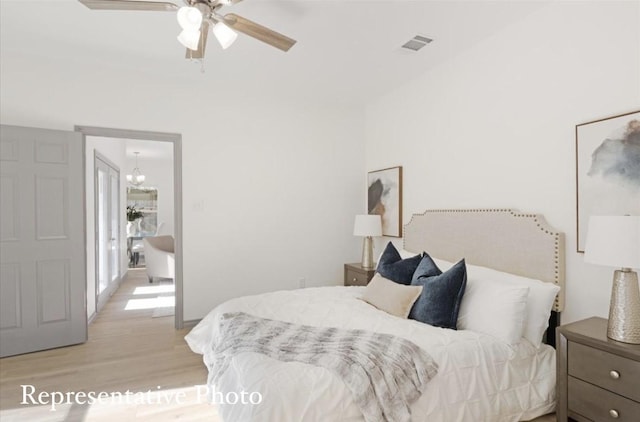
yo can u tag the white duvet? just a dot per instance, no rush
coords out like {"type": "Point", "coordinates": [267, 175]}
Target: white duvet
{"type": "Point", "coordinates": [479, 378]}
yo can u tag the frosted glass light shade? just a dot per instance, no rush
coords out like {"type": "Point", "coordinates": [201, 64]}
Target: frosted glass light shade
{"type": "Point", "coordinates": [367, 225]}
{"type": "Point", "coordinates": [225, 35]}
{"type": "Point", "coordinates": [613, 241]}
{"type": "Point", "coordinates": [136, 178]}
{"type": "Point", "coordinates": [189, 38]}
{"type": "Point", "coordinates": [189, 18]}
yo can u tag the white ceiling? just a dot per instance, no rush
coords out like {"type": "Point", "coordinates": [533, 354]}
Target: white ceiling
{"type": "Point", "coordinates": [348, 51]}
{"type": "Point", "coordinates": [149, 149]}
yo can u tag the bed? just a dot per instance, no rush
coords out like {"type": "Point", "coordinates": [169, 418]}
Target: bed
{"type": "Point", "coordinates": [481, 376]}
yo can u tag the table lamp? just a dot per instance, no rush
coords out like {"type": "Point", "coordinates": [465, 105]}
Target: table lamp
{"type": "Point", "coordinates": [615, 241]}
{"type": "Point", "coordinates": [367, 226]}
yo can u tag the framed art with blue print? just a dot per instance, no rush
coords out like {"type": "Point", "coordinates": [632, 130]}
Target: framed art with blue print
{"type": "Point", "coordinates": [384, 193]}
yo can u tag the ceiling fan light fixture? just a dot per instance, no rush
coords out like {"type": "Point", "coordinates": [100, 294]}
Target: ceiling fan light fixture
{"type": "Point", "coordinates": [195, 17]}
{"type": "Point", "coordinates": [189, 18]}
{"type": "Point", "coordinates": [190, 38]}
{"type": "Point", "coordinates": [225, 35]}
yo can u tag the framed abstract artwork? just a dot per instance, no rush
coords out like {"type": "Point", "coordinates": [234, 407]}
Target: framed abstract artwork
{"type": "Point", "coordinates": [607, 169]}
{"type": "Point", "coordinates": [384, 193]}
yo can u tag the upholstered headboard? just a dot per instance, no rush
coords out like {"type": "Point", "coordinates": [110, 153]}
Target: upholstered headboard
{"type": "Point", "coordinates": [502, 239]}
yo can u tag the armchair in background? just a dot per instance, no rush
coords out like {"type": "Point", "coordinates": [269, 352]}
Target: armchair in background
{"type": "Point", "coordinates": [159, 228]}
{"type": "Point", "coordinates": [159, 257]}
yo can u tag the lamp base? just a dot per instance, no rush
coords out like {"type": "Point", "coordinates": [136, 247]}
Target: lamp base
{"type": "Point", "coordinates": [624, 310]}
{"type": "Point", "coordinates": [367, 253]}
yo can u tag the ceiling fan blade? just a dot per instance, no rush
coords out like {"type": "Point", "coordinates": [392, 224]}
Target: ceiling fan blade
{"type": "Point", "coordinates": [258, 31]}
{"type": "Point", "coordinates": [129, 5]}
{"type": "Point", "coordinates": [202, 43]}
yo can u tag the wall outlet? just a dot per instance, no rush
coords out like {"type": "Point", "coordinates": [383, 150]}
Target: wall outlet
{"type": "Point", "coordinates": [302, 282]}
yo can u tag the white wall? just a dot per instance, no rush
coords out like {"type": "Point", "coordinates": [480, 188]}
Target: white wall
{"type": "Point", "coordinates": [270, 186]}
{"type": "Point", "coordinates": [494, 127]}
{"type": "Point", "coordinates": [270, 197]}
{"type": "Point", "coordinates": [158, 173]}
{"type": "Point", "coordinates": [114, 151]}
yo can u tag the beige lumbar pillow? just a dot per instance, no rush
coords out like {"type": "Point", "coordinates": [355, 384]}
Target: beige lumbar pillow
{"type": "Point", "coordinates": [391, 297]}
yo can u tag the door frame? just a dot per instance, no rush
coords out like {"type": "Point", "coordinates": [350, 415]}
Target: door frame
{"type": "Point", "coordinates": [99, 303]}
{"type": "Point", "coordinates": [176, 140]}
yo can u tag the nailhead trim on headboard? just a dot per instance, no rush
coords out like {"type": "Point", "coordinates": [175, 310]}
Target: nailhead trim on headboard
{"type": "Point", "coordinates": [557, 253]}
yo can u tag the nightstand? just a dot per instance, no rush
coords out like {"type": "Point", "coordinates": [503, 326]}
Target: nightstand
{"type": "Point", "coordinates": [598, 378]}
{"type": "Point", "coordinates": [355, 275]}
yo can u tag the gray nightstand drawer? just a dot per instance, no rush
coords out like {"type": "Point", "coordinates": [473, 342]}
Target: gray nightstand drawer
{"type": "Point", "coordinates": [598, 378]}
{"type": "Point", "coordinates": [615, 373]}
{"type": "Point", "coordinates": [598, 404]}
{"type": "Point", "coordinates": [355, 275]}
{"type": "Point", "coordinates": [353, 278]}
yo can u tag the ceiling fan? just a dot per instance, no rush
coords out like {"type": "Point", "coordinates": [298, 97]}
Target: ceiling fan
{"type": "Point", "coordinates": [196, 17]}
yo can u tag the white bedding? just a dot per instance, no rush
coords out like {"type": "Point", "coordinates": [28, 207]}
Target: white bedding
{"type": "Point", "coordinates": [479, 378]}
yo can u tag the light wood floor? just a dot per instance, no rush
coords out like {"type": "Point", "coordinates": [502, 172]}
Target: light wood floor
{"type": "Point", "coordinates": [127, 350]}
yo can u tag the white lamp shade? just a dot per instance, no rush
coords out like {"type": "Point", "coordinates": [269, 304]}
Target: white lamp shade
{"type": "Point", "coordinates": [189, 18]}
{"type": "Point", "coordinates": [367, 225]}
{"type": "Point", "coordinates": [189, 38]}
{"type": "Point", "coordinates": [613, 241]}
{"type": "Point", "coordinates": [225, 35]}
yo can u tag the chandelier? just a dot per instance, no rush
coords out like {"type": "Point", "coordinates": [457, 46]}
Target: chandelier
{"type": "Point", "coordinates": [136, 178]}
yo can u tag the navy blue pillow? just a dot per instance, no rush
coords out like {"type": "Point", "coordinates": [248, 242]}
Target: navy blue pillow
{"type": "Point", "coordinates": [393, 267]}
{"type": "Point", "coordinates": [426, 268]}
{"type": "Point", "coordinates": [439, 302]}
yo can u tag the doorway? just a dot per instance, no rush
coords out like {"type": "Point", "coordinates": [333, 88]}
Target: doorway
{"type": "Point", "coordinates": [119, 137]}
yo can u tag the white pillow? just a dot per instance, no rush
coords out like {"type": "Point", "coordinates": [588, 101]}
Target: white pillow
{"type": "Point", "coordinates": [404, 254]}
{"type": "Point", "coordinates": [493, 307]}
{"type": "Point", "coordinates": [391, 297]}
{"type": "Point", "coordinates": [443, 265]}
{"type": "Point", "coordinates": [539, 301]}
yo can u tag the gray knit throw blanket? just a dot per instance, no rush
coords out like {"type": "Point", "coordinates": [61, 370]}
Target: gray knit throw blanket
{"type": "Point", "coordinates": [384, 373]}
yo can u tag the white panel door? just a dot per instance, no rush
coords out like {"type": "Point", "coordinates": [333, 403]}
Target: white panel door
{"type": "Point", "coordinates": [42, 242]}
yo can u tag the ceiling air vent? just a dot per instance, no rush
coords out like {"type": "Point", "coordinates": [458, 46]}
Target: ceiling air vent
{"type": "Point", "coordinates": [416, 43]}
